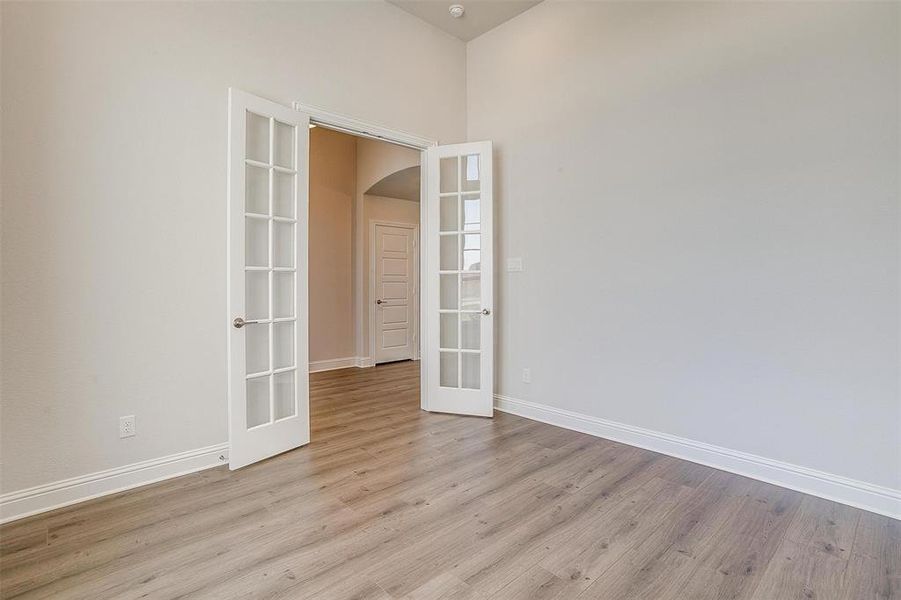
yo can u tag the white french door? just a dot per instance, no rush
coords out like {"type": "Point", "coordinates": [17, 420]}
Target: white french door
{"type": "Point", "coordinates": [459, 348]}
{"type": "Point", "coordinates": [268, 395]}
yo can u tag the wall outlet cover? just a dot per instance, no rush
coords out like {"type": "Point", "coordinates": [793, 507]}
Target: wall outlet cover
{"type": "Point", "coordinates": [127, 426]}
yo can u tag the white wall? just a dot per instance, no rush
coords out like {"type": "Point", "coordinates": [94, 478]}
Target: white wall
{"type": "Point", "coordinates": [706, 198]}
{"type": "Point", "coordinates": [113, 183]}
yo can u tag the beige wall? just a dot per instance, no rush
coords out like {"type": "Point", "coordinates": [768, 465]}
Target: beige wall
{"type": "Point", "coordinates": [338, 165]}
{"type": "Point", "coordinates": [332, 190]}
{"type": "Point", "coordinates": [706, 199]}
{"type": "Point", "coordinates": [375, 160]}
{"type": "Point", "coordinates": [113, 132]}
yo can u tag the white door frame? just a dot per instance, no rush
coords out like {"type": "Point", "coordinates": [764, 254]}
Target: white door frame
{"type": "Point", "coordinates": [370, 297]}
{"type": "Point", "coordinates": [358, 127]}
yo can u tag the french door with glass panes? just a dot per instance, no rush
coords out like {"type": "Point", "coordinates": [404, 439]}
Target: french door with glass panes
{"type": "Point", "coordinates": [268, 391]}
{"type": "Point", "coordinates": [459, 349]}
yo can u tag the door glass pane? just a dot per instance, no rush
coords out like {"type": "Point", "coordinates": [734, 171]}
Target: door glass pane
{"type": "Point", "coordinates": [256, 349]}
{"type": "Point", "coordinates": [256, 248]}
{"type": "Point", "coordinates": [256, 295]}
{"type": "Point", "coordinates": [470, 365]}
{"type": "Point", "coordinates": [471, 292]}
{"type": "Point", "coordinates": [257, 141]}
{"type": "Point", "coordinates": [283, 194]}
{"type": "Point", "coordinates": [448, 291]}
{"type": "Point", "coordinates": [282, 294]}
{"type": "Point", "coordinates": [449, 175]}
{"type": "Point", "coordinates": [284, 395]}
{"type": "Point", "coordinates": [449, 254]}
{"type": "Point", "coordinates": [471, 252]}
{"type": "Point", "coordinates": [283, 345]}
{"type": "Point", "coordinates": [471, 213]}
{"type": "Point", "coordinates": [257, 401]}
{"type": "Point", "coordinates": [470, 330]}
{"type": "Point", "coordinates": [283, 244]}
{"type": "Point", "coordinates": [284, 145]}
{"type": "Point", "coordinates": [471, 173]}
{"type": "Point", "coordinates": [449, 330]}
{"type": "Point", "coordinates": [449, 213]}
{"type": "Point", "coordinates": [448, 367]}
{"type": "Point", "coordinates": [256, 190]}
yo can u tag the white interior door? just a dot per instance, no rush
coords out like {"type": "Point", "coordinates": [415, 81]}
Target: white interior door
{"type": "Point", "coordinates": [395, 292]}
{"type": "Point", "coordinates": [268, 395]}
{"type": "Point", "coordinates": [460, 324]}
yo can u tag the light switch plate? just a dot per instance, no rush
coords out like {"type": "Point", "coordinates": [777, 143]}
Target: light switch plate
{"type": "Point", "coordinates": [514, 264]}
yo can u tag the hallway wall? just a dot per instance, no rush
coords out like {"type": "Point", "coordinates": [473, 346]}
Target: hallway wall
{"type": "Point", "coordinates": [333, 171]}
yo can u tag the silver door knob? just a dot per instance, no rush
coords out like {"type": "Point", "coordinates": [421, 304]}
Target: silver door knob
{"type": "Point", "coordinates": [486, 311]}
{"type": "Point", "coordinates": [239, 322]}
{"type": "Point", "coordinates": [379, 301]}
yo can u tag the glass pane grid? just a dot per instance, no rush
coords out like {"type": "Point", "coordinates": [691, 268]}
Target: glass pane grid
{"type": "Point", "coordinates": [460, 247]}
{"type": "Point", "coordinates": [271, 393]}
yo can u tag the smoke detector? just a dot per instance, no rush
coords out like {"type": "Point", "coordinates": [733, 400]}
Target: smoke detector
{"type": "Point", "coordinates": [456, 10]}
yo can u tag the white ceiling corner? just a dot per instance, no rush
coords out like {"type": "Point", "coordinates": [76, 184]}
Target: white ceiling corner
{"type": "Point", "coordinates": [480, 15]}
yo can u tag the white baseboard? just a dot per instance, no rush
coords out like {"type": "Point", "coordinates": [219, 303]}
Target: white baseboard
{"type": "Point", "coordinates": [334, 363]}
{"type": "Point", "coordinates": [38, 499]}
{"type": "Point", "coordinates": [364, 362]}
{"type": "Point", "coordinates": [874, 498]}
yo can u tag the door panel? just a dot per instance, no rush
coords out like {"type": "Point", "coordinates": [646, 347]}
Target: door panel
{"type": "Point", "coordinates": [394, 253]}
{"type": "Point", "coordinates": [460, 323]}
{"type": "Point", "coordinates": [267, 274]}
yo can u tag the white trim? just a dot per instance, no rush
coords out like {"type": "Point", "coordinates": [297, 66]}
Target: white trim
{"type": "Point", "coordinates": [424, 262]}
{"type": "Point", "coordinates": [353, 126]}
{"type": "Point", "coordinates": [867, 496]}
{"type": "Point", "coordinates": [331, 364]}
{"type": "Point", "coordinates": [364, 362]}
{"type": "Point", "coordinates": [361, 362]}
{"type": "Point", "coordinates": [370, 294]}
{"type": "Point", "coordinates": [41, 498]}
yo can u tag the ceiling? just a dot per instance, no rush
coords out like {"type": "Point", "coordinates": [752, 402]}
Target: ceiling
{"type": "Point", "coordinates": [402, 184]}
{"type": "Point", "coordinates": [480, 15]}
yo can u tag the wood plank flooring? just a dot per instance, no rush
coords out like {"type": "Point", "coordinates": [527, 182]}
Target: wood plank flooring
{"type": "Point", "coordinates": [389, 502]}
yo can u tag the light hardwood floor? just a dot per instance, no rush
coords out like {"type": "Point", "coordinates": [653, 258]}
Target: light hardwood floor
{"type": "Point", "coordinates": [391, 502]}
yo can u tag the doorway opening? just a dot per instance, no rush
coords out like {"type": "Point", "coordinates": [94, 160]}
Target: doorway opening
{"type": "Point", "coordinates": [364, 262]}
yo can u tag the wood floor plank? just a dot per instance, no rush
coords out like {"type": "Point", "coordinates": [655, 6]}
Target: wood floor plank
{"type": "Point", "coordinates": [534, 584]}
{"type": "Point", "coordinates": [802, 571]}
{"type": "Point", "coordinates": [390, 502]}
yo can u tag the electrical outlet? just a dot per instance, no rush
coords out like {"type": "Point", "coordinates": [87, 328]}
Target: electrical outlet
{"type": "Point", "coordinates": [514, 265]}
{"type": "Point", "coordinates": [127, 426]}
{"type": "Point", "coordinates": [527, 375]}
